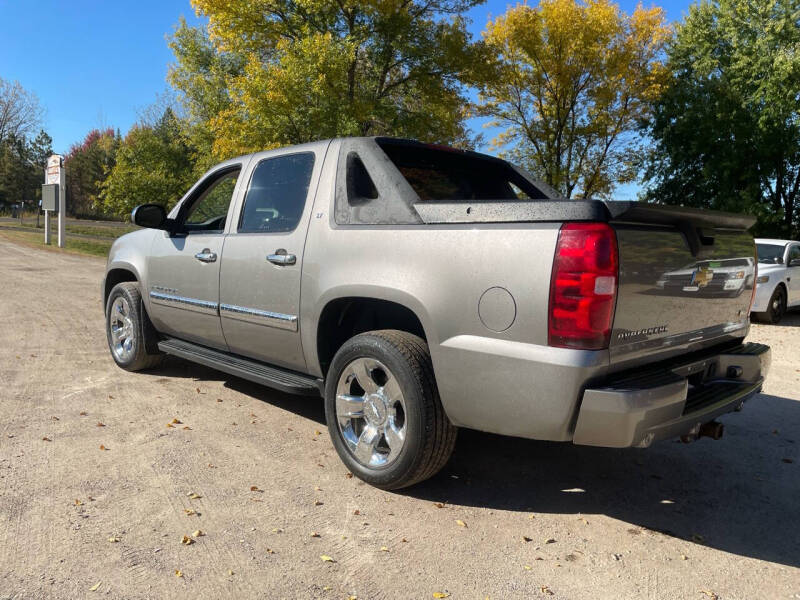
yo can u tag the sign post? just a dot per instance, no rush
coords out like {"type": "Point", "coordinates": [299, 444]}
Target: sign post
{"type": "Point", "coordinates": [56, 175]}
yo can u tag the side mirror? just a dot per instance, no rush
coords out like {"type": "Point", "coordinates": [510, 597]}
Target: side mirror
{"type": "Point", "coordinates": [152, 216]}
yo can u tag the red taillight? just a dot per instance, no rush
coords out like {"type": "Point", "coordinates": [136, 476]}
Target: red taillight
{"type": "Point", "coordinates": [583, 286]}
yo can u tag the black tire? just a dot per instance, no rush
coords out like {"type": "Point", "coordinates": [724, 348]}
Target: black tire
{"type": "Point", "coordinates": [776, 309]}
{"type": "Point", "coordinates": [429, 435]}
{"type": "Point", "coordinates": [142, 352]}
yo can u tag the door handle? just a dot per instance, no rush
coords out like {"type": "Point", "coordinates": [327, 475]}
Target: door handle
{"type": "Point", "coordinates": [206, 256]}
{"type": "Point", "coordinates": [281, 258]}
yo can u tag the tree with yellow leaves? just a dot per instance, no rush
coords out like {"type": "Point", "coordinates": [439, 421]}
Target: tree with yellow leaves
{"type": "Point", "coordinates": [279, 72]}
{"type": "Point", "coordinates": [571, 83]}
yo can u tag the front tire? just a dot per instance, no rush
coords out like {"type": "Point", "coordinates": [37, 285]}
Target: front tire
{"type": "Point", "coordinates": [776, 309]}
{"type": "Point", "coordinates": [132, 338]}
{"type": "Point", "coordinates": [383, 410]}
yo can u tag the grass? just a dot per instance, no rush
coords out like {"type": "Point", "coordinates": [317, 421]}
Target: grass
{"type": "Point", "coordinates": [93, 230]}
{"type": "Point", "coordinates": [35, 239]}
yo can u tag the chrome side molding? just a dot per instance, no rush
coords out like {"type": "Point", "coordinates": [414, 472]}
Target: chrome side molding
{"type": "Point", "coordinates": [202, 306]}
{"type": "Point", "coordinates": [259, 317]}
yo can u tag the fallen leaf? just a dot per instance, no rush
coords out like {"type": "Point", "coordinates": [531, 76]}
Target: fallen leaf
{"type": "Point", "coordinates": [277, 530]}
{"type": "Point", "coordinates": [219, 399]}
{"type": "Point", "coordinates": [55, 418]}
{"type": "Point", "coordinates": [78, 502]}
{"type": "Point", "coordinates": [439, 504]}
{"type": "Point", "coordinates": [254, 488]}
{"type": "Point", "coordinates": [526, 567]}
{"type": "Point", "coordinates": [404, 540]}
{"type": "Point", "coordinates": [525, 538]}
{"type": "Point", "coordinates": [441, 595]}
{"type": "Point", "coordinates": [460, 523]}
{"type": "Point", "coordinates": [186, 540]}
{"type": "Point", "coordinates": [710, 594]}
{"type": "Point", "coordinates": [384, 549]}
{"type": "Point", "coordinates": [550, 541]}
{"type": "Point", "coordinates": [546, 590]}
{"type": "Point", "coordinates": [46, 439]}
{"type": "Point", "coordinates": [317, 432]}
{"type": "Point", "coordinates": [348, 475]}
{"type": "Point", "coordinates": [198, 390]}
{"type": "Point", "coordinates": [314, 534]}
{"type": "Point", "coordinates": [170, 425]}
{"type": "Point", "coordinates": [83, 413]}
{"type": "Point", "coordinates": [318, 503]}
{"type": "Point", "coordinates": [190, 511]}
{"type": "Point", "coordinates": [270, 551]}
{"type": "Point", "coordinates": [584, 521]}
{"type": "Point", "coordinates": [326, 558]}
{"type": "Point", "coordinates": [684, 557]}
{"type": "Point", "coordinates": [113, 539]}
{"type": "Point", "coordinates": [186, 427]}
{"type": "Point", "coordinates": [95, 586]}
{"type": "Point", "coordinates": [326, 588]}
{"type": "Point", "coordinates": [356, 512]}
{"type": "Point", "coordinates": [178, 573]}
{"type": "Point", "coordinates": [197, 533]}
{"type": "Point", "coordinates": [194, 495]}
{"type": "Point", "coordinates": [531, 516]}
{"type": "Point", "coordinates": [102, 447]}
{"type": "Point", "coordinates": [110, 397]}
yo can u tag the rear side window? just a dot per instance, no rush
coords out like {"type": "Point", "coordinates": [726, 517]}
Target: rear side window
{"type": "Point", "coordinates": [277, 194]}
{"type": "Point", "coordinates": [437, 173]}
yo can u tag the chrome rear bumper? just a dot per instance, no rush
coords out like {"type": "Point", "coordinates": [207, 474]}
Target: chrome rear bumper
{"type": "Point", "coordinates": [673, 399]}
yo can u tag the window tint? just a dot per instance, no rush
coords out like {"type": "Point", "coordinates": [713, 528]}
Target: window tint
{"type": "Point", "coordinates": [277, 193]}
{"type": "Point", "coordinates": [794, 252]}
{"type": "Point", "coordinates": [446, 174]}
{"type": "Point", "coordinates": [209, 211]}
{"type": "Point", "coordinates": [770, 253]}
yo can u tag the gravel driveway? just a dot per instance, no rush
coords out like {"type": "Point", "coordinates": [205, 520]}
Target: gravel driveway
{"type": "Point", "coordinates": [103, 473]}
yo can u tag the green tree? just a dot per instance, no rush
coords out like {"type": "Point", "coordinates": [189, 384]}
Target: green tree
{"type": "Point", "coordinates": [153, 164]}
{"type": "Point", "coordinates": [87, 165]}
{"type": "Point", "coordinates": [727, 126]}
{"type": "Point", "coordinates": [571, 82]}
{"type": "Point", "coordinates": [275, 72]}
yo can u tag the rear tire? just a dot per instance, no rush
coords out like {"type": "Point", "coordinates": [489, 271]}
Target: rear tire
{"type": "Point", "coordinates": [383, 410]}
{"type": "Point", "coordinates": [132, 338]}
{"type": "Point", "coordinates": [776, 309]}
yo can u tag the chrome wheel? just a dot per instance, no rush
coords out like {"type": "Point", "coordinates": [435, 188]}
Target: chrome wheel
{"type": "Point", "coordinates": [120, 325]}
{"type": "Point", "coordinates": [371, 412]}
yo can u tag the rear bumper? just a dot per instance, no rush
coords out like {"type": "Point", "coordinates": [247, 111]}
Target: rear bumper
{"type": "Point", "coordinates": [674, 399]}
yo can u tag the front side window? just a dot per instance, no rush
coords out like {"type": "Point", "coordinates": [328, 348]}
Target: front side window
{"type": "Point", "coordinates": [770, 253]}
{"type": "Point", "coordinates": [277, 194]}
{"type": "Point", "coordinates": [794, 253]}
{"type": "Point", "coordinates": [209, 212]}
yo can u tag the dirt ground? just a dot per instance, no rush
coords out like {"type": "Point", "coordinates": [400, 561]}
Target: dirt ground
{"type": "Point", "coordinates": [254, 470]}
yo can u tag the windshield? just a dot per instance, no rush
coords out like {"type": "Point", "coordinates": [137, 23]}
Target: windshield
{"type": "Point", "coordinates": [770, 253]}
{"type": "Point", "coordinates": [438, 173]}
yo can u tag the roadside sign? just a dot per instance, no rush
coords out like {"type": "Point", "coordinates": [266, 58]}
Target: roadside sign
{"type": "Point", "coordinates": [54, 166]}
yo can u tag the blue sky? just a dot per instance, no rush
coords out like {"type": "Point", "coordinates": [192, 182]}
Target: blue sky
{"type": "Point", "coordinates": [96, 64]}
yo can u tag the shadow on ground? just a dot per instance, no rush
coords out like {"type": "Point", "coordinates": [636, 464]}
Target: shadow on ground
{"type": "Point", "coordinates": [737, 494]}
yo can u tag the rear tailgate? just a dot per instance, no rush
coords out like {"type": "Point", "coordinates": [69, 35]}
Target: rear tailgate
{"type": "Point", "coordinates": [685, 279]}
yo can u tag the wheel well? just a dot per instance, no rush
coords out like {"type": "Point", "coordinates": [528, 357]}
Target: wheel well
{"type": "Point", "coordinates": [344, 318]}
{"type": "Point", "coordinates": [113, 277]}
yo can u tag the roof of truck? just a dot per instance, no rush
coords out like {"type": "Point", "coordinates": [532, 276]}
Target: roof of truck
{"type": "Point", "coordinates": [773, 241]}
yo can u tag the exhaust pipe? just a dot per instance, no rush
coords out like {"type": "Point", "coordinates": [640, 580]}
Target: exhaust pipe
{"type": "Point", "coordinates": [712, 429]}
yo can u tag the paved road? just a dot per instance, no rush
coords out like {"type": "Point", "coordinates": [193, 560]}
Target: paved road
{"type": "Point", "coordinates": [673, 521]}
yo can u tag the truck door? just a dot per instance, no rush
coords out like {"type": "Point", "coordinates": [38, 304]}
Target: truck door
{"type": "Point", "coordinates": [263, 258]}
{"type": "Point", "coordinates": [184, 267]}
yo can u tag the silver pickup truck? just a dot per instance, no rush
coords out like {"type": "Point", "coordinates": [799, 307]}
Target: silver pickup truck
{"type": "Point", "coordinates": [420, 288]}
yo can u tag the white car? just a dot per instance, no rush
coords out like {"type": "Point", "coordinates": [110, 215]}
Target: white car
{"type": "Point", "coordinates": [778, 282]}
